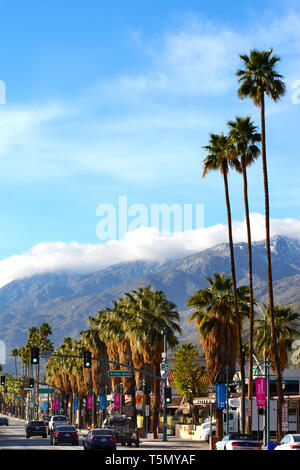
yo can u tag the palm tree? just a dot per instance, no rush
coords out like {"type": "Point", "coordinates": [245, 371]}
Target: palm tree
{"type": "Point", "coordinates": [286, 331]}
{"type": "Point", "coordinates": [220, 157]}
{"type": "Point", "coordinates": [259, 78]}
{"type": "Point", "coordinates": [244, 137]}
{"type": "Point", "coordinates": [215, 319]}
{"type": "Point", "coordinates": [15, 354]}
{"type": "Point", "coordinates": [156, 313]}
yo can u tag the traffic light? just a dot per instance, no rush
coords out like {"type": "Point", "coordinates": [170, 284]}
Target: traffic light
{"type": "Point", "coordinates": [5, 391]}
{"type": "Point", "coordinates": [87, 359]}
{"type": "Point", "coordinates": [31, 383]}
{"type": "Point", "coordinates": [168, 395]}
{"type": "Point", "coordinates": [2, 379]}
{"type": "Point", "coordinates": [35, 355]}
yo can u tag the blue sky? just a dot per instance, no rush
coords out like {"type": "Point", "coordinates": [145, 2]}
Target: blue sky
{"type": "Point", "coordinates": [105, 99]}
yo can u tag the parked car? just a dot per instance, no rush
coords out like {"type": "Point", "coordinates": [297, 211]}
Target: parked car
{"type": "Point", "coordinates": [289, 442]}
{"type": "Point", "coordinates": [64, 435]}
{"type": "Point", "coordinates": [123, 428]}
{"type": "Point", "coordinates": [238, 441]}
{"type": "Point", "coordinates": [100, 439]}
{"type": "Point", "coordinates": [3, 422]}
{"type": "Point", "coordinates": [57, 420]}
{"type": "Point", "coordinates": [35, 428]}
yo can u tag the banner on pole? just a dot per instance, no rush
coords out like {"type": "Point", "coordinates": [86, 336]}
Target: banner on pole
{"type": "Point", "coordinates": [220, 396]}
{"type": "Point", "coordinates": [89, 403]}
{"type": "Point", "coordinates": [117, 401]}
{"type": "Point", "coordinates": [261, 391]}
{"type": "Point", "coordinates": [55, 404]}
{"type": "Point", "coordinates": [76, 404]}
{"type": "Point", "coordinates": [102, 402]}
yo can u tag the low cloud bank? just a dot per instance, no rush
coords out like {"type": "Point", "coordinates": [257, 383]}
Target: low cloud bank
{"type": "Point", "coordinates": [142, 244]}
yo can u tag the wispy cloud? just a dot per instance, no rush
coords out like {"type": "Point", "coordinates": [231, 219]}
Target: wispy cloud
{"type": "Point", "coordinates": [143, 243]}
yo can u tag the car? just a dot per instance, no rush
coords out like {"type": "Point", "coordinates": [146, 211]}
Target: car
{"type": "Point", "coordinates": [123, 428]}
{"type": "Point", "coordinates": [64, 435]}
{"type": "Point", "coordinates": [3, 422]}
{"type": "Point", "coordinates": [289, 442]}
{"type": "Point", "coordinates": [57, 420]}
{"type": "Point", "coordinates": [238, 441]}
{"type": "Point", "coordinates": [100, 439]}
{"type": "Point", "coordinates": [35, 428]}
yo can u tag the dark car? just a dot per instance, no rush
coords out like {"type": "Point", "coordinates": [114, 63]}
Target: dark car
{"type": "Point", "coordinates": [64, 435]}
{"type": "Point", "coordinates": [100, 439]}
{"type": "Point", "coordinates": [3, 422]}
{"type": "Point", "coordinates": [124, 429]}
{"type": "Point", "coordinates": [36, 428]}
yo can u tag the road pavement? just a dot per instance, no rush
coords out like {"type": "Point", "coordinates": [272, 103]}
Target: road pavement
{"type": "Point", "coordinates": [12, 437]}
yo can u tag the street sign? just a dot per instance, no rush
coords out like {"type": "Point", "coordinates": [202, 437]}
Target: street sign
{"type": "Point", "coordinates": [119, 373]}
{"type": "Point", "coordinates": [46, 390]}
{"type": "Point", "coordinates": [165, 366]}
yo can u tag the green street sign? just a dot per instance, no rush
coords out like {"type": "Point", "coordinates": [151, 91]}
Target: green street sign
{"type": "Point", "coordinates": [119, 373]}
{"type": "Point", "coordinates": [46, 390]}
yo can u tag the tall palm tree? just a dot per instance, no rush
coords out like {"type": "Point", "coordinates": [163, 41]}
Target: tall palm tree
{"type": "Point", "coordinates": [286, 330]}
{"type": "Point", "coordinates": [220, 158]}
{"type": "Point", "coordinates": [244, 137]}
{"type": "Point", "coordinates": [215, 319]}
{"type": "Point", "coordinates": [259, 78]}
{"type": "Point", "coordinates": [156, 313]}
{"type": "Point", "coordinates": [15, 353]}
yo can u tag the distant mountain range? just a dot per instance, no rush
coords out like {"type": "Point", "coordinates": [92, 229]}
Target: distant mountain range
{"type": "Point", "coordinates": [66, 300]}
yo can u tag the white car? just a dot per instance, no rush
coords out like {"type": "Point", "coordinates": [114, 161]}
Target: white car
{"type": "Point", "coordinates": [289, 442]}
{"type": "Point", "coordinates": [57, 420]}
{"type": "Point", "coordinates": [238, 441]}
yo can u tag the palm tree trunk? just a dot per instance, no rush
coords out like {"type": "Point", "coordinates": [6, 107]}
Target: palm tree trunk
{"type": "Point", "coordinates": [251, 321]}
{"type": "Point", "coordinates": [236, 307]}
{"type": "Point", "coordinates": [269, 266]}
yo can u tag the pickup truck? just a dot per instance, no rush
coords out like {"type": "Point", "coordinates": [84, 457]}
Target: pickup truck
{"type": "Point", "coordinates": [57, 420]}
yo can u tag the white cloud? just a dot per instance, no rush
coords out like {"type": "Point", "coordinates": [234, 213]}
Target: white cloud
{"type": "Point", "coordinates": [143, 243]}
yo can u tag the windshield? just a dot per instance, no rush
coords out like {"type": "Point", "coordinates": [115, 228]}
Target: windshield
{"type": "Point", "coordinates": [60, 418]}
{"type": "Point", "coordinates": [36, 423]}
{"type": "Point", "coordinates": [297, 438]}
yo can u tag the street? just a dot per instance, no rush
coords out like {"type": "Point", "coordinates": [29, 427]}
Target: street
{"type": "Point", "coordinates": [12, 437]}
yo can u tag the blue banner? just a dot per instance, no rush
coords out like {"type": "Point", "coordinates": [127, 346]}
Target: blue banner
{"type": "Point", "coordinates": [102, 402]}
{"type": "Point", "coordinates": [220, 396]}
{"type": "Point", "coordinates": [76, 403]}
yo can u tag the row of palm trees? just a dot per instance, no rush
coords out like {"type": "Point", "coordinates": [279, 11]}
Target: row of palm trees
{"type": "Point", "coordinates": [130, 332]}
{"type": "Point", "coordinates": [238, 150]}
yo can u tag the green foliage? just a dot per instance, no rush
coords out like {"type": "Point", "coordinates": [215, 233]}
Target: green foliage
{"type": "Point", "coordinates": [189, 375]}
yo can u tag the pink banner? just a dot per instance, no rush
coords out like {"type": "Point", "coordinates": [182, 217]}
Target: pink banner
{"type": "Point", "coordinates": [89, 403]}
{"type": "Point", "coordinates": [261, 391]}
{"type": "Point", "coordinates": [117, 401]}
{"type": "Point", "coordinates": [55, 404]}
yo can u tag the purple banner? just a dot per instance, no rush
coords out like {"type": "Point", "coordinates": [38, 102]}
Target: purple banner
{"type": "Point", "coordinates": [89, 403]}
{"type": "Point", "coordinates": [261, 391]}
{"type": "Point", "coordinates": [55, 404]}
{"type": "Point", "coordinates": [117, 401]}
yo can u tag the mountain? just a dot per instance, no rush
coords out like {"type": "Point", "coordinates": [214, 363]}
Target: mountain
{"type": "Point", "coordinates": [66, 300]}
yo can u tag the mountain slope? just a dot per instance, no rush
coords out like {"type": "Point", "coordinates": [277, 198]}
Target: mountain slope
{"type": "Point", "coordinates": [66, 300]}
